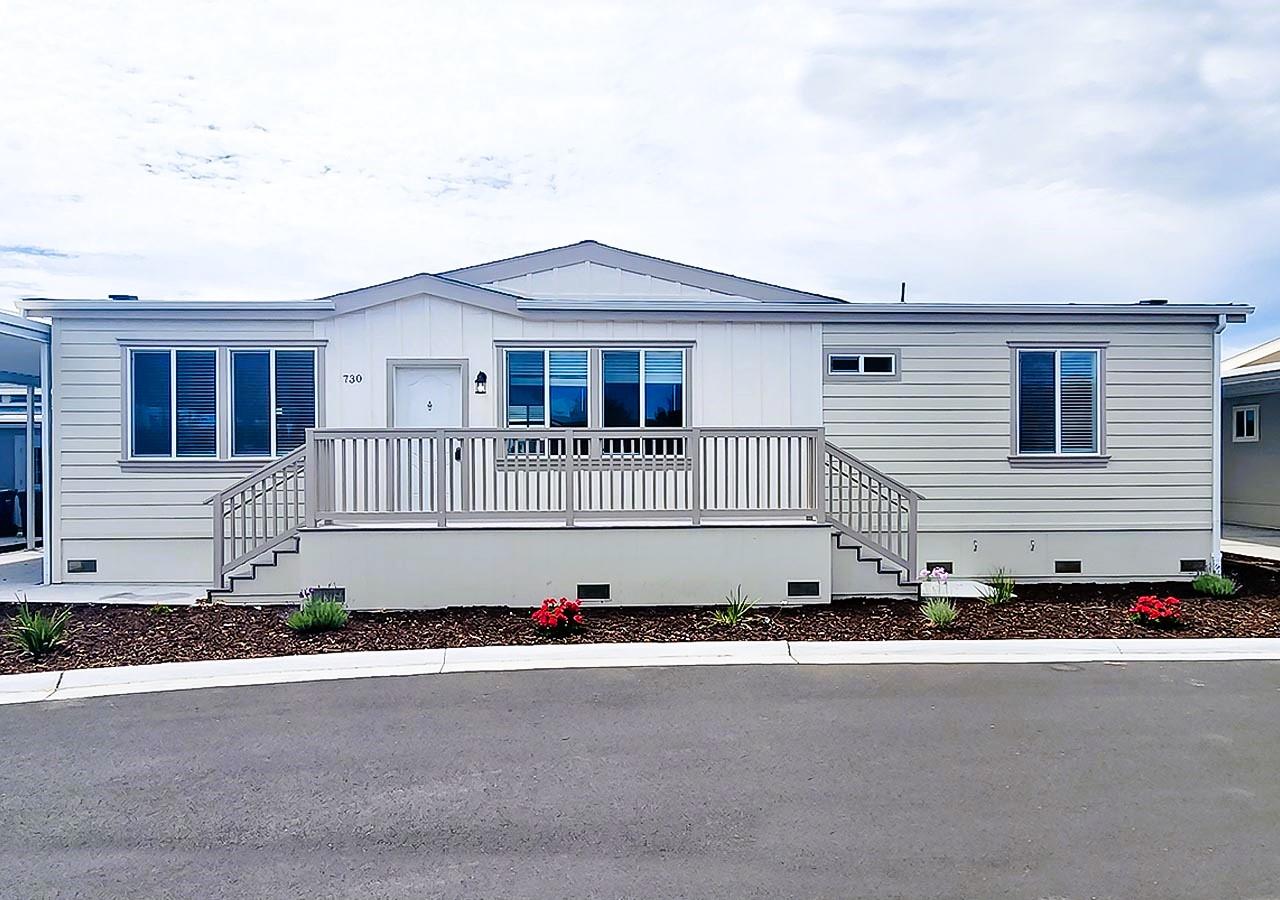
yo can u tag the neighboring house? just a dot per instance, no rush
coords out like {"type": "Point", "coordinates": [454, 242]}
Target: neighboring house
{"type": "Point", "coordinates": [1251, 437]}
{"type": "Point", "coordinates": [594, 421]}
{"type": "Point", "coordinates": [20, 465]}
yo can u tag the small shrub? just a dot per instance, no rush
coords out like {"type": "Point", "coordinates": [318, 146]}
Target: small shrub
{"type": "Point", "coordinates": [37, 633]}
{"type": "Point", "coordinates": [160, 609]}
{"type": "Point", "coordinates": [999, 587]}
{"type": "Point", "coordinates": [1157, 613]}
{"type": "Point", "coordinates": [1214, 584]}
{"type": "Point", "coordinates": [939, 612]}
{"type": "Point", "coordinates": [737, 608]}
{"type": "Point", "coordinates": [318, 613]}
{"type": "Point", "coordinates": [556, 616]}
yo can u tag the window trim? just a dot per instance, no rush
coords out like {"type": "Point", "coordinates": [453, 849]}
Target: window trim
{"type": "Point", "coordinates": [1057, 457]}
{"type": "Point", "coordinates": [127, 437]}
{"type": "Point", "coordinates": [223, 461]}
{"type": "Point", "coordinates": [1257, 423]}
{"type": "Point", "coordinates": [595, 376]}
{"type": "Point", "coordinates": [271, 396]}
{"type": "Point", "coordinates": [831, 377]}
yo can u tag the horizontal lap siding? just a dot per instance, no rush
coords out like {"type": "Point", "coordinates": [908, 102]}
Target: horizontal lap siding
{"type": "Point", "coordinates": [944, 429]}
{"type": "Point", "coordinates": [96, 498]}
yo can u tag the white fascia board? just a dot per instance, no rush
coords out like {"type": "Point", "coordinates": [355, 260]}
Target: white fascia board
{"type": "Point", "coordinates": [1245, 357]}
{"type": "Point", "coordinates": [21, 327]}
{"type": "Point", "coordinates": [428, 285]}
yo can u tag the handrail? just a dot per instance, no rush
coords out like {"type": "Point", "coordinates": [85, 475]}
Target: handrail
{"type": "Point", "coordinates": [874, 509]}
{"type": "Point", "coordinates": [259, 474]}
{"type": "Point", "coordinates": [871, 470]}
{"type": "Point", "coordinates": [259, 512]}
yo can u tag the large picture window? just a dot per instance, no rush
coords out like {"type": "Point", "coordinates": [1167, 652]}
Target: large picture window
{"type": "Point", "coordinates": [174, 404]}
{"type": "Point", "coordinates": [625, 388]}
{"type": "Point", "coordinates": [1058, 409]}
{"type": "Point", "coordinates": [273, 400]}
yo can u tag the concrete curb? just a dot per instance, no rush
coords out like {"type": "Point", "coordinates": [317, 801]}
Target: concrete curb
{"type": "Point", "coordinates": [81, 683]}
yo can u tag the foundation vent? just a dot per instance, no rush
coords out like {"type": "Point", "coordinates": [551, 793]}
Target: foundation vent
{"type": "Point", "coordinates": [593, 592]}
{"type": "Point", "coordinates": [1193, 565]}
{"type": "Point", "coordinates": [948, 567]}
{"type": "Point", "coordinates": [803, 589]}
{"type": "Point", "coordinates": [1066, 567]}
{"type": "Point", "coordinates": [81, 566]}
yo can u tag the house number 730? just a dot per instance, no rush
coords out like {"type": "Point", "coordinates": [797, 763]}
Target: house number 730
{"type": "Point", "coordinates": [352, 377]}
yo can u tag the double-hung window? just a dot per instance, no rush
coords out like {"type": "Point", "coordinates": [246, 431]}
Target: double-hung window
{"type": "Point", "coordinates": [273, 401]}
{"type": "Point", "coordinates": [1244, 424]}
{"type": "Point", "coordinates": [1058, 401]}
{"type": "Point", "coordinates": [173, 403]}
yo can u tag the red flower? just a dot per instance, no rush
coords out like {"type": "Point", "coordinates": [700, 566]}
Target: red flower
{"type": "Point", "coordinates": [555, 614]}
{"type": "Point", "coordinates": [1151, 610]}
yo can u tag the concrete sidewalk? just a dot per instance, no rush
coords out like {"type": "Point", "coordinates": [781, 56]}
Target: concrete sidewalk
{"type": "Point", "coordinates": [75, 684]}
{"type": "Point", "coordinates": [1246, 540]}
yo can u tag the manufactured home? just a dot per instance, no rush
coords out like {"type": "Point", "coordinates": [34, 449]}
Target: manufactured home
{"type": "Point", "coordinates": [1250, 440]}
{"type": "Point", "coordinates": [588, 421]}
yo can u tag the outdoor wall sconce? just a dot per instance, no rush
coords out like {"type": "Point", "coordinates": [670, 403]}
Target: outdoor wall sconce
{"type": "Point", "coordinates": [482, 383]}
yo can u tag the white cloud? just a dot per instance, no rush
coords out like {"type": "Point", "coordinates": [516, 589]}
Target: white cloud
{"type": "Point", "coordinates": [983, 150]}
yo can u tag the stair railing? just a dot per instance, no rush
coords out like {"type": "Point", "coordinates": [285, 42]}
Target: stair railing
{"type": "Point", "coordinates": [879, 512]}
{"type": "Point", "coordinates": [258, 513]}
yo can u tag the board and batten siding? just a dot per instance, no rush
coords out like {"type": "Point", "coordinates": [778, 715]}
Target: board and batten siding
{"type": "Point", "coordinates": [742, 373]}
{"type": "Point", "coordinates": [140, 526]}
{"type": "Point", "coordinates": [945, 427]}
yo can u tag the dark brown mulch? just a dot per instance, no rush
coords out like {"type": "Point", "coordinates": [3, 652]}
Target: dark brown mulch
{"type": "Point", "coordinates": [121, 635]}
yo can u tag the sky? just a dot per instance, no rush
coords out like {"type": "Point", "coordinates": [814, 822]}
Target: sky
{"type": "Point", "coordinates": [1024, 150]}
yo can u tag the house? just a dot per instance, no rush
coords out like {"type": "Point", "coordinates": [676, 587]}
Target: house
{"type": "Point", "coordinates": [1251, 447]}
{"type": "Point", "coordinates": [19, 465]}
{"type": "Point", "coordinates": [588, 420]}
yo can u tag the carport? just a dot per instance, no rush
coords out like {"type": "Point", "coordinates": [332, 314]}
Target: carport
{"type": "Point", "coordinates": [24, 360]}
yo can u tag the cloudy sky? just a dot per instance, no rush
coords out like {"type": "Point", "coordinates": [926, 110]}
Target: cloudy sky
{"type": "Point", "coordinates": [998, 150]}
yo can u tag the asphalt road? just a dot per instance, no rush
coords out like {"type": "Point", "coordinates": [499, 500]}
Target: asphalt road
{"type": "Point", "coordinates": [1145, 780]}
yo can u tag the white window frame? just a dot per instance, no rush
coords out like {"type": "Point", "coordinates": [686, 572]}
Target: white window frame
{"type": "Point", "coordinates": [173, 405]}
{"type": "Point", "coordinates": [271, 405]}
{"type": "Point", "coordinates": [1236, 436]}
{"type": "Point", "coordinates": [1058, 452]}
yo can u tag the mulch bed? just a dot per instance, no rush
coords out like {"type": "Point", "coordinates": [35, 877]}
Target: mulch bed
{"type": "Point", "coordinates": [123, 635]}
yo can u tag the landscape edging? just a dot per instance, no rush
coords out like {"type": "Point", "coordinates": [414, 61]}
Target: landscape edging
{"type": "Point", "coordinates": [115, 680]}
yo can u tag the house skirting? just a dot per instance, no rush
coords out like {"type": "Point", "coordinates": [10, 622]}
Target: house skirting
{"type": "Point", "coordinates": [426, 568]}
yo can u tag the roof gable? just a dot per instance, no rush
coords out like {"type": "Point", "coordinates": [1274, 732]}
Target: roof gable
{"type": "Point", "coordinates": [593, 270]}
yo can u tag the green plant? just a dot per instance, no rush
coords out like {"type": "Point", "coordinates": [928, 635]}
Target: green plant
{"type": "Point", "coordinates": [939, 612]}
{"type": "Point", "coordinates": [1214, 584]}
{"type": "Point", "coordinates": [998, 587]}
{"type": "Point", "coordinates": [318, 613]}
{"type": "Point", "coordinates": [161, 609]}
{"type": "Point", "coordinates": [737, 608]}
{"type": "Point", "coordinates": [38, 633]}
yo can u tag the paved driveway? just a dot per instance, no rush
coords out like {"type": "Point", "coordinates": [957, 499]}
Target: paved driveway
{"type": "Point", "coordinates": [1145, 780]}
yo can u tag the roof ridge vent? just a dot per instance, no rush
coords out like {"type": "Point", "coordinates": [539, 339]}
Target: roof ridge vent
{"type": "Point", "coordinates": [1154, 301]}
{"type": "Point", "coordinates": [122, 296]}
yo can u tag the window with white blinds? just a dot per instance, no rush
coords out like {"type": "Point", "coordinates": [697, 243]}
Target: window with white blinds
{"type": "Point", "coordinates": [173, 403]}
{"type": "Point", "coordinates": [622, 388]}
{"type": "Point", "coordinates": [1058, 401]}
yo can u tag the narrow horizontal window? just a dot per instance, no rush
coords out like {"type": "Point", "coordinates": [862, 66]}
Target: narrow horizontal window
{"type": "Point", "coordinates": [1058, 408]}
{"type": "Point", "coordinates": [862, 364]}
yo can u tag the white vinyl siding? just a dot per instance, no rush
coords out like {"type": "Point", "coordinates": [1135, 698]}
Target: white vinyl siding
{"type": "Point", "coordinates": [944, 429]}
{"type": "Point", "coordinates": [173, 406]}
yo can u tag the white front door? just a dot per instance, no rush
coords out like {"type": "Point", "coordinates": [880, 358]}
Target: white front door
{"type": "Point", "coordinates": [428, 396]}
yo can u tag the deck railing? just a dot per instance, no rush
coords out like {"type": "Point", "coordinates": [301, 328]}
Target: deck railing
{"type": "Point", "coordinates": [565, 474]}
{"type": "Point", "coordinates": [562, 475]}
